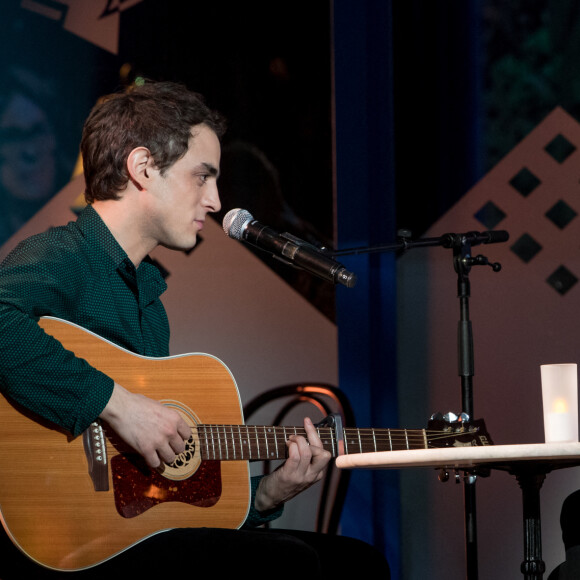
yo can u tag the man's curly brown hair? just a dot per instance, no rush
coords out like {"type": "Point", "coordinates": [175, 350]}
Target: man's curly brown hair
{"type": "Point", "coordinates": [157, 115]}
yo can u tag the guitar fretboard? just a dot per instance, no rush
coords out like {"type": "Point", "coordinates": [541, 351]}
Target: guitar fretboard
{"type": "Point", "coordinates": [259, 442]}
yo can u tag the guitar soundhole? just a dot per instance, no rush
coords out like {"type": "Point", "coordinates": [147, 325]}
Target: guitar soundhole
{"type": "Point", "coordinates": [185, 459]}
{"type": "Point", "coordinates": [186, 463]}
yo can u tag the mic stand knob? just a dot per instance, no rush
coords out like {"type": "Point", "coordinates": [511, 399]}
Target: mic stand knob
{"type": "Point", "coordinates": [480, 260]}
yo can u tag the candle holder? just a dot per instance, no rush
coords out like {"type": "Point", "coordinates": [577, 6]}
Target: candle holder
{"type": "Point", "coordinates": [560, 402]}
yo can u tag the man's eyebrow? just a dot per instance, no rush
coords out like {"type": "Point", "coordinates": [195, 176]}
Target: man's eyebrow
{"type": "Point", "coordinates": [210, 168]}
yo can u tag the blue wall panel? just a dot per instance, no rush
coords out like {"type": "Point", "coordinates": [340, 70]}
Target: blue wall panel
{"type": "Point", "coordinates": [366, 314]}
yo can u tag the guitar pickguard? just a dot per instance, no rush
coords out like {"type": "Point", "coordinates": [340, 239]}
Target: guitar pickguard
{"type": "Point", "coordinates": [138, 489]}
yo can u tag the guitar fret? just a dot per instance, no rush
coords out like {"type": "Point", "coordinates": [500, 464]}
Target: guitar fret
{"type": "Point", "coordinates": [207, 442]}
{"type": "Point", "coordinates": [202, 430]}
{"type": "Point", "coordinates": [360, 442]}
{"type": "Point", "coordinates": [263, 444]}
{"type": "Point", "coordinates": [218, 443]}
{"type": "Point", "coordinates": [275, 441]}
{"type": "Point", "coordinates": [407, 438]}
{"type": "Point", "coordinates": [327, 443]}
{"type": "Point", "coordinates": [425, 438]}
{"type": "Point", "coordinates": [245, 441]}
{"type": "Point", "coordinates": [215, 444]}
{"type": "Point", "coordinates": [247, 433]}
{"type": "Point", "coordinates": [390, 441]}
{"type": "Point", "coordinates": [257, 442]}
{"type": "Point", "coordinates": [226, 442]}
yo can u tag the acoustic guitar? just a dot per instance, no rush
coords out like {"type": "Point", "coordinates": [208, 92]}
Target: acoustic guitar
{"type": "Point", "coordinates": [72, 503]}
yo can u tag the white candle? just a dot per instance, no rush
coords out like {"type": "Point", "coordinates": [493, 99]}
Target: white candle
{"type": "Point", "coordinates": [560, 401]}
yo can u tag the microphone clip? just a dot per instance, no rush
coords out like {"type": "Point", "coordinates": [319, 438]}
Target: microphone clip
{"type": "Point", "coordinates": [302, 244]}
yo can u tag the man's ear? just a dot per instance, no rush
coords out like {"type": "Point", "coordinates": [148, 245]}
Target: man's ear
{"type": "Point", "coordinates": [138, 162]}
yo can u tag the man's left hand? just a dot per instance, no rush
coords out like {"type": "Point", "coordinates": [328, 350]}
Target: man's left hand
{"type": "Point", "coordinates": [307, 461]}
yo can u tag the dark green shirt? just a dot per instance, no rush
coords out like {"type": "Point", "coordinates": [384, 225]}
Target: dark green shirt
{"type": "Point", "coordinates": [79, 273]}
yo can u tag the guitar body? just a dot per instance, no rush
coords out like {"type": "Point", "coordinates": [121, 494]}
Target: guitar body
{"type": "Point", "coordinates": [49, 502]}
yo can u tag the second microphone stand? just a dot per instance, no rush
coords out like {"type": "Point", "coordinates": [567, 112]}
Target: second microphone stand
{"type": "Point", "coordinates": [463, 261]}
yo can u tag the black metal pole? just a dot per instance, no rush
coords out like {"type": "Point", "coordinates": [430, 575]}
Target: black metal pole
{"type": "Point", "coordinates": [462, 262]}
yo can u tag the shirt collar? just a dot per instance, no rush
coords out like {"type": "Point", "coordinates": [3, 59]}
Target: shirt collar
{"type": "Point", "coordinates": [147, 277]}
{"type": "Point", "coordinates": [100, 237]}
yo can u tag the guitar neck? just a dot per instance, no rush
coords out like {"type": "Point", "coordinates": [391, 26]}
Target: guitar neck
{"type": "Point", "coordinates": [259, 442]}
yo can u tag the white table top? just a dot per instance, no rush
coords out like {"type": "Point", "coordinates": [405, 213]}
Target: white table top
{"type": "Point", "coordinates": [464, 457]}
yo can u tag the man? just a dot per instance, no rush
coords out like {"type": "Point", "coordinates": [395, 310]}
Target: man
{"type": "Point", "coordinates": [151, 161]}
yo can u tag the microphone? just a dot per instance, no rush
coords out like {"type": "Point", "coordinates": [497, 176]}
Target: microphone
{"type": "Point", "coordinates": [241, 225]}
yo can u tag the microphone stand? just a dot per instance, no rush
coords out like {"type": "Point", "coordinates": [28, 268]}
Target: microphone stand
{"type": "Point", "coordinates": [463, 261]}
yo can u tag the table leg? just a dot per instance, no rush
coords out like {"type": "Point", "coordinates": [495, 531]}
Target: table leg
{"type": "Point", "coordinates": [533, 567]}
{"type": "Point", "coordinates": [470, 528]}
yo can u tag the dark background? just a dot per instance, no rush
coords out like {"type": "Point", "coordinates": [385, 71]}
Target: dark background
{"type": "Point", "coordinates": [470, 79]}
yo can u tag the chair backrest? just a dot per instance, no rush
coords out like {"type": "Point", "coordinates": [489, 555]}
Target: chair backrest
{"type": "Point", "coordinates": [326, 399]}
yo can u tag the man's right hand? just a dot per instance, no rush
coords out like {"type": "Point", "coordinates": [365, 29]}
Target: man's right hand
{"type": "Point", "coordinates": [155, 431]}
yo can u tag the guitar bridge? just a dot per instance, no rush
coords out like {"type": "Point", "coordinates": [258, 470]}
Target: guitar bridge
{"type": "Point", "coordinates": [95, 444]}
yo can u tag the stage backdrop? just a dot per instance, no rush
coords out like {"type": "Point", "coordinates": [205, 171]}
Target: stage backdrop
{"type": "Point", "coordinates": [523, 316]}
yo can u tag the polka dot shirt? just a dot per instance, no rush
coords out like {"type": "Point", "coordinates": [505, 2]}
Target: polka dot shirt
{"type": "Point", "coordinates": [79, 273]}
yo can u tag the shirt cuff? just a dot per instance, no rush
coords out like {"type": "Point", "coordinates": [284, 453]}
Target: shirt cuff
{"type": "Point", "coordinates": [255, 518]}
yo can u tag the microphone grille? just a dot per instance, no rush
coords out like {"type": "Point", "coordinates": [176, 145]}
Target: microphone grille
{"type": "Point", "coordinates": [234, 222]}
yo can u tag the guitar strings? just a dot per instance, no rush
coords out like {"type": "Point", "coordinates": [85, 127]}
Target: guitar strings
{"type": "Point", "coordinates": [227, 431]}
{"type": "Point", "coordinates": [227, 436]}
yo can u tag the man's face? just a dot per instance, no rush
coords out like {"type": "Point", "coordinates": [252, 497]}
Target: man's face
{"type": "Point", "coordinates": [186, 193]}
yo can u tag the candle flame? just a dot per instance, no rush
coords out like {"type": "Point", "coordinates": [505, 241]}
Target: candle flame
{"type": "Point", "coordinates": [560, 405]}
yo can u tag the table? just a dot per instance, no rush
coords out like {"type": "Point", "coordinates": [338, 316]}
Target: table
{"type": "Point", "coordinates": [529, 463]}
